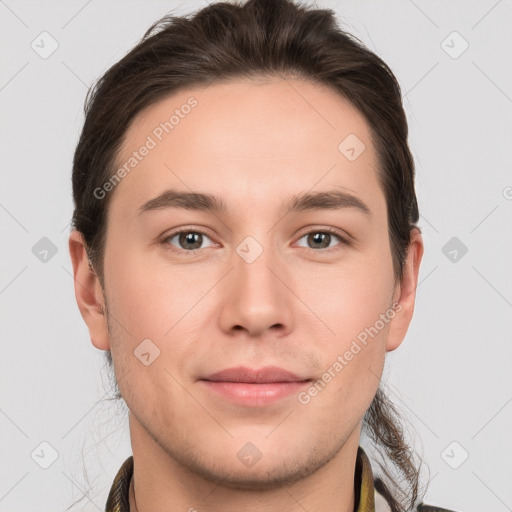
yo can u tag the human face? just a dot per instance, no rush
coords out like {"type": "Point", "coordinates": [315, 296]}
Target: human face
{"type": "Point", "coordinates": [253, 285]}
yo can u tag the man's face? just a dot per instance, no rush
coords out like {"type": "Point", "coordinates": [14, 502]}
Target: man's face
{"type": "Point", "coordinates": [250, 286]}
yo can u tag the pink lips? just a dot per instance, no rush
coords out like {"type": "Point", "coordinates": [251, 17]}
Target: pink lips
{"type": "Point", "coordinates": [254, 387]}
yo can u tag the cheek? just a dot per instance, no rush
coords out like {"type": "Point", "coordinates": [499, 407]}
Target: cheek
{"type": "Point", "coordinates": [355, 308]}
{"type": "Point", "coordinates": [353, 355]}
{"type": "Point", "coordinates": [350, 296]}
{"type": "Point", "coordinates": [151, 300]}
{"type": "Point", "coordinates": [146, 303]}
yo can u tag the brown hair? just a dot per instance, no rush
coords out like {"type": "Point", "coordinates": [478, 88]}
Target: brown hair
{"type": "Point", "coordinates": [259, 38]}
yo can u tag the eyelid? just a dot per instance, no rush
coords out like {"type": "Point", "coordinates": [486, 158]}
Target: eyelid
{"type": "Point", "coordinates": [343, 235]}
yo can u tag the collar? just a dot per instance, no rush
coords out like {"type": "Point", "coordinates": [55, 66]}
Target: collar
{"type": "Point", "coordinates": [367, 498]}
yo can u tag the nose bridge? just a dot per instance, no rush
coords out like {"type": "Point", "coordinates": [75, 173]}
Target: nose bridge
{"type": "Point", "coordinates": [254, 259]}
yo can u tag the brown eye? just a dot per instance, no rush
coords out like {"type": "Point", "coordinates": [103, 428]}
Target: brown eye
{"type": "Point", "coordinates": [319, 240]}
{"type": "Point", "coordinates": [187, 240]}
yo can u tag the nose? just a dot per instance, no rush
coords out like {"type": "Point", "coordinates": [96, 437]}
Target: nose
{"type": "Point", "coordinates": [256, 298]}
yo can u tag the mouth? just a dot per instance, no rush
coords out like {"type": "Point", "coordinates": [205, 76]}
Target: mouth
{"type": "Point", "coordinates": [254, 387]}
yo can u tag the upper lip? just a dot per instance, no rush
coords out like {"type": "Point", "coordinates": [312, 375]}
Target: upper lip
{"type": "Point", "coordinates": [255, 375]}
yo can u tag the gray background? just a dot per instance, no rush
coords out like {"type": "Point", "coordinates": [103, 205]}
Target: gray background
{"type": "Point", "coordinates": [452, 375]}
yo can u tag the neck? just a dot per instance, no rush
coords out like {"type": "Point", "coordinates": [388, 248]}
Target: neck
{"type": "Point", "coordinates": [161, 483]}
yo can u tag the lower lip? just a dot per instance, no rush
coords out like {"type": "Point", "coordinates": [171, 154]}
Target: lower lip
{"type": "Point", "coordinates": [248, 394]}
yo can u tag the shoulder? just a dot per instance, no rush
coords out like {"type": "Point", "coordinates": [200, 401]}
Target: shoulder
{"type": "Point", "coordinates": [382, 504]}
{"type": "Point", "coordinates": [422, 507]}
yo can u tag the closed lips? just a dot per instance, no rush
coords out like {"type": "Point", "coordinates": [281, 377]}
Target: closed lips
{"type": "Point", "coordinates": [266, 375]}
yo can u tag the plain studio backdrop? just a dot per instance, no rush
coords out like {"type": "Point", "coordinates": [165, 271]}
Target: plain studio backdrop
{"type": "Point", "coordinates": [451, 377]}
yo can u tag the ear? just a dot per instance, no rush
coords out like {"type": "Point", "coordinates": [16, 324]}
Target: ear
{"type": "Point", "coordinates": [405, 293]}
{"type": "Point", "coordinates": [88, 292]}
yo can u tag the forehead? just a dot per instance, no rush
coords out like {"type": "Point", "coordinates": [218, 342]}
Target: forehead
{"type": "Point", "coordinates": [248, 137]}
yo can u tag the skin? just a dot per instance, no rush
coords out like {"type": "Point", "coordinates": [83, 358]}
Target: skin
{"type": "Point", "coordinates": [253, 143]}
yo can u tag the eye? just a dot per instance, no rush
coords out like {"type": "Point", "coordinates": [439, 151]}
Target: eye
{"type": "Point", "coordinates": [321, 239]}
{"type": "Point", "coordinates": [188, 240]}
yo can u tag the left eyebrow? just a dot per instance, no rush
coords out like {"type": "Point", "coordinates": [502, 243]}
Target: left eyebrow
{"type": "Point", "coordinates": [326, 200]}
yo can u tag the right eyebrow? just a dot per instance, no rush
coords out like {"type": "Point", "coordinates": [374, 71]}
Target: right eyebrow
{"type": "Point", "coordinates": [187, 200]}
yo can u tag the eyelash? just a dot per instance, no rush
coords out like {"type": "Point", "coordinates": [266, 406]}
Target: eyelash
{"type": "Point", "coordinates": [343, 241]}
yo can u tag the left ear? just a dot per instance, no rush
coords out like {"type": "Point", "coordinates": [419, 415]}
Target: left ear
{"type": "Point", "coordinates": [405, 293]}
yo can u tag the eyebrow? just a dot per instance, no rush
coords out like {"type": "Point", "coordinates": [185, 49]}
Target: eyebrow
{"type": "Point", "coordinates": [327, 200]}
